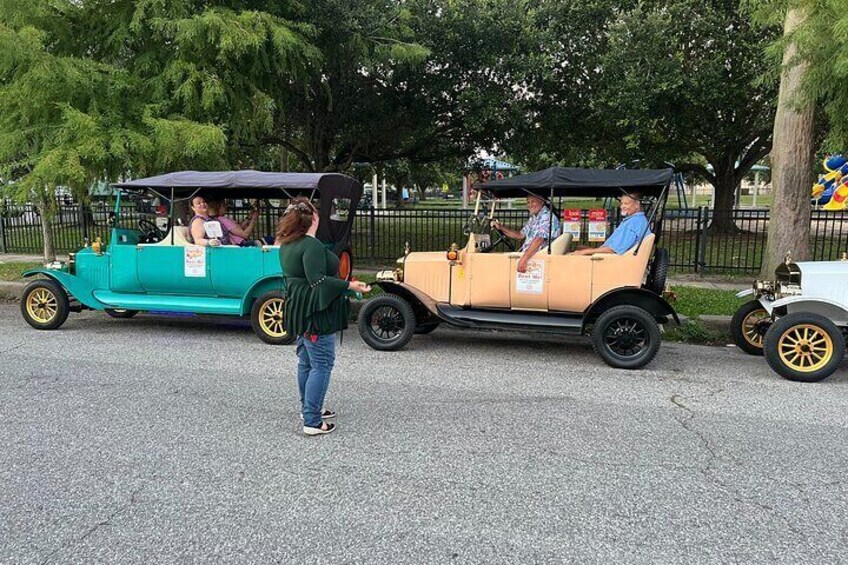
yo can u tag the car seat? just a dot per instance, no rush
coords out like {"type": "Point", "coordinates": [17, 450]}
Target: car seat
{"type": "Point", "coordinates": [559, 246]}
{"type": "Point", "coordinates": [180, 237]}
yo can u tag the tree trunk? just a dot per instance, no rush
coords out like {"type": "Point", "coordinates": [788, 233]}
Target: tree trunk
{"type": "Point", "coordinates": [284, 158]}
{"type": "Point", "coordinates": [791, 161]}
{"type": "Point", "coordinates": [725, 187]}
{"type": "Point", "coordinates": [46, 231]}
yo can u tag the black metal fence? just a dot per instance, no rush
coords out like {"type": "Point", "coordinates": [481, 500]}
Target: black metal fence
{"type": "Point", "coordinates": [379, 236]}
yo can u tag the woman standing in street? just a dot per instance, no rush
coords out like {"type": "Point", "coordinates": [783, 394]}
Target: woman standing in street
{"type": "Point", "coordinates": [316, 308]}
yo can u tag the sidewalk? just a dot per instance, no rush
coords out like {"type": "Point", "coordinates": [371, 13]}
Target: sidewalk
{"type": "Point", "coordinates": [713, 285]}
{"type": "Point", "coordinates": [16, 258]}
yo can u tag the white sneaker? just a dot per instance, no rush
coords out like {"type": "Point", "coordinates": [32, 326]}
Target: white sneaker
{"type": "Point", "coordinates": [310, 431]}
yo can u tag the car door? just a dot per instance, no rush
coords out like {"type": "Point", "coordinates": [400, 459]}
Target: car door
{"type": "Point", "coordinates": [529, 290]}
{"type": "Point", "coordinates": [234, 269]}
{"type": "Point", "coordinates": [570, 280]}
{"type": "Point", "coordinates": [166, 269]}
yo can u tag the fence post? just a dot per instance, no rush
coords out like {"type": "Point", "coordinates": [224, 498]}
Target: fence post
{"type": "Point", "coordinates": [704, 217]}
{"type": "Point", "coordinates": [372, 238]}
{"type": "Point", "coordinates": [83, 220]}
{"type": "Point", "coordinates": [3, 228]}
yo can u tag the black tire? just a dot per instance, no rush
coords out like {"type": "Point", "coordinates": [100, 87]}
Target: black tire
{"type": "Point", "coordinates": [659, 272]}
{"type": "Point", "coordinates": [425, 328]}
{"type": "Point", "coordinates": [394, 319]}
{"type": "Point", "coordinates": [268, 321]}
{"type": "Point", "coordinates": [121, 313]}
{"type": "Point", "coordinates": [626, 337]}
{"type": "Point", "coordinates": [748, 327]}
{"type": "Point", "coordinates": [823, 362]}
{"type": "Point", "coordinates": [45, 304]}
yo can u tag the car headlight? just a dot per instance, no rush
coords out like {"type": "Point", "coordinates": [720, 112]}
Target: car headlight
{"type": "Point", "coordinates": [767, 288]}
{"type": "Point", "coordinates": [785, 290]}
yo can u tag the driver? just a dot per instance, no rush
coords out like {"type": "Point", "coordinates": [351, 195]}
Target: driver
{"type": "Point", "coordinates": [629, 232]}
{"type": "Point", "coordinates": [536, 233]}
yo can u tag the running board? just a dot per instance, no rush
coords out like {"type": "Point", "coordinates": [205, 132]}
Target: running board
{"type": "Point", "coordinates": [170, 303]}
{"type": "Point", "coordinates": [511, 319]}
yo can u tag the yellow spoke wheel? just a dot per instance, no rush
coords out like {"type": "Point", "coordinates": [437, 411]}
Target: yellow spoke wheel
{"type": "Point", "coordinates": [748, 327]}
{"type": "Point", "coordinates": [805, 348]}
{"type": "Point", "coordinates": [45, 305]}
{"type": "Point", "coordinates": [751, 327]}
{"type": "Point", "coordinates": [271, 317]}
{"type": "Point", "coordinates": [42, 305]}
{"type": "Point", "coordinates": [268, 318]}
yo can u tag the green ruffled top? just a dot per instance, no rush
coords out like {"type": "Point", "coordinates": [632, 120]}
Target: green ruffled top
{"type": "Point", "coordinates": [316, 301]}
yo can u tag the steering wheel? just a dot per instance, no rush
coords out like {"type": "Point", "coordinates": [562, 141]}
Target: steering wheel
{"type": "Point", "coordinates": [477, 223]}
{"type": "Point", "coordinates": [502, 238]}
{"type": "Point", "coordinates": [150, 231]}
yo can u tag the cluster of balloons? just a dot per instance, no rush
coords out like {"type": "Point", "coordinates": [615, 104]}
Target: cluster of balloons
{"type": "Point", "coordinates": [831, 190]}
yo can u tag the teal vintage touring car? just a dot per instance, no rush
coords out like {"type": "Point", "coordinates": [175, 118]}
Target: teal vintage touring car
{"type": "Point", "coordinates": [148, 268]}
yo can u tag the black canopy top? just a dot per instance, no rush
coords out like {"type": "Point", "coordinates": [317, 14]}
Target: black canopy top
{"type": "Point", "coordinates": [566, 181]}
{"type": "Point", "coordinates": [257, 184]}
{"type": "Point", "coordinates": [251, 184]}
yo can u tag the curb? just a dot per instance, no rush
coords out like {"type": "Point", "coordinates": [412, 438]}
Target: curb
{"type": "Point", "coordinates": [710, 322]}
{"type": "Point", "coordinates": [10, 291]}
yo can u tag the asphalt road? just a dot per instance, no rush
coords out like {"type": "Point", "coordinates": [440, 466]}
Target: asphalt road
{"type": "Point", "coordinates": [166, 440]}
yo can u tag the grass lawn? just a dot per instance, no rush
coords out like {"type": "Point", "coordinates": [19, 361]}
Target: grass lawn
{"type": "Point", "coordinates": [693, 301]}
{"type": "Point", "coordinates": [12, 271]}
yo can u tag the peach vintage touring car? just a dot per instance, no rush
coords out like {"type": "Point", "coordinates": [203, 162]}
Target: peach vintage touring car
{"type": "Point", "coordinates": [617, 299]}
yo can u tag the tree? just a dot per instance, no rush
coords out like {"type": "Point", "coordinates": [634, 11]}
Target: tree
{"type": "Point", "coordinates": [100, 89]}
{"type": "Point", "coordinates": [789, 224]}
{"type": "Point", "coordinates": [419, 80]}
{"type": "Point", "coordinates": [672, 81]}
{"type": "Point", "coordinates": [814, 56]}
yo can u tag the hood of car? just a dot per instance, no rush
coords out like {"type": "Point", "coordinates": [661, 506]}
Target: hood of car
{"type": "Point", "coordinates": [824, 278]}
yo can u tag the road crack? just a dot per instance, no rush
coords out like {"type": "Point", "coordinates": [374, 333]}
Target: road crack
{"type": "Point", "coordinates": [710, 472]}
{"type": "Point", "coordinates": [90, 531]}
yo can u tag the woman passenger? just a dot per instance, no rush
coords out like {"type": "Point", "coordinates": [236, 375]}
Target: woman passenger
{"type": "Point", "coordinates": [196, 228]}
{"type": "Point", "coordinates": [316, 308]}
{"type": "Point", "coordinates": [238, 232]}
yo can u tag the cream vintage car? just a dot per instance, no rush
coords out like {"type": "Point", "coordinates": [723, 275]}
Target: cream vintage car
{"type": "Point", "coordinates": [799, 319]}
{"type": "Point", "coordinates": [617, 299]}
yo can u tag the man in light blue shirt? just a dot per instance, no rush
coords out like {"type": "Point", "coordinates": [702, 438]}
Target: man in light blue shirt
{"type": "Point", "coordinates": [629, 232]}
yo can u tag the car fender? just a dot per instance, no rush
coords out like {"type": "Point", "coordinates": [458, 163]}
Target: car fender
{"type": "Point", "coordinates": [830, 309]}
{"type": "Point", "coordinates": [75, 287]}
{"type": "Point", "coordinates": [645, 299]}
{"type": "Point", "coordinates": [423, 305]}
{"type": "Point", "coordinates": [260, 287]}
{"type": "Point", "coordinates": [764, 302]}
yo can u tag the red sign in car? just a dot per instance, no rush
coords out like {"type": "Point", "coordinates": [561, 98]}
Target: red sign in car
{"type": "Point", "coordinates": [598, 215]}
{"type": "Point", "coordinates": [572, 215]}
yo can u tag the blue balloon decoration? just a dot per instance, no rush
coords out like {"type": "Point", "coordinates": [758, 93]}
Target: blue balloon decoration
{"type": "Point", "coordinates": [835, 162]}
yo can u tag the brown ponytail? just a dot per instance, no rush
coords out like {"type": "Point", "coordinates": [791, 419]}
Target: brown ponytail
{"type": "Point", "coordinates": [295, 221]}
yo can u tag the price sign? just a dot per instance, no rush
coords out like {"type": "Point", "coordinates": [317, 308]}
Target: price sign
{"type": "Point", "coordinates": [597, 225]}
{"type": "Point", "coordinates": [571, 223]}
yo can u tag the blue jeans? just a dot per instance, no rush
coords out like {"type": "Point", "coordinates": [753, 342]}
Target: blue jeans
{"type": "Point", "coordinates": [314, 365]}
